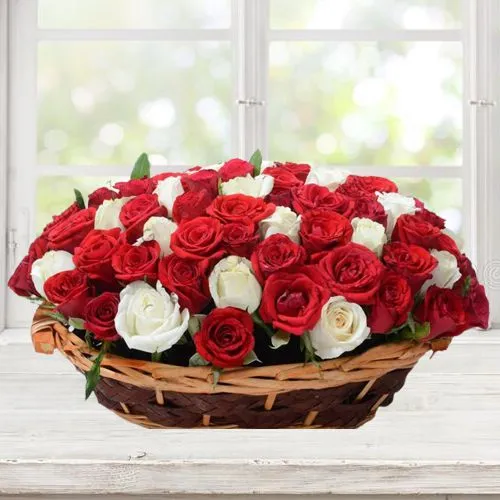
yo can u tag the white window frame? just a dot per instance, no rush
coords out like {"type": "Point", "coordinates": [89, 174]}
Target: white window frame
{"type": "Point", "coordinates": [250, 36]}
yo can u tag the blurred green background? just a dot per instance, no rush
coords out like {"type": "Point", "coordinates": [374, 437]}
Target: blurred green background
{"type": "Point", "coordinates": [343, 103]}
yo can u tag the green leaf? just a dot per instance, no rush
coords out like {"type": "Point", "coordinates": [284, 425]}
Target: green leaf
{"type": "Point", "coordinates": [250, 358]}
{"type": "Point", "coordinates": [94, 374]}
{"type": "Point", "coordinates": [466, 286]}
{"type": "Point", "coordinates": [79, 198]}
{"type": "Point", "coordinates": [88, 339]}
{"type": "Point", "coordinates": [197, 360]}
{"type": "Point", "coordinates": [142, 167]}
{"type": "Point", "coordinates": [421, 331]}
{"type": "Point", "coordinates": [256, 161]}
{"type": "Point", "coordinates": [156, 357]}
{"type": "Point", "coordinates": [216, 372]}
{"type": "Point", "coordinates": [259, 322]}
{"type": "Point", "coordinates": [58, 317]}
{"type": "Point", "coordinates": [77, 323]}
{"type": "Point", "coordinates": [411, 323]}
{"type": "Point", "coordinates": [309, 351]}
{"type": "Point", "coordinates": [194, 323]}
{"type": "Point", "coordinates": [279, 339]}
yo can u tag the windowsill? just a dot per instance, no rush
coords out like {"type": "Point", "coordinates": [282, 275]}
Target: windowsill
{"type": "Point", "coordinates": [440, 436]}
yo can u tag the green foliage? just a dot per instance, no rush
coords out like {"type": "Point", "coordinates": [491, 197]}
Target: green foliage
{"type": "Point", "coordinates": [260, 323]}
{"type": "Point", "coordinates": [94, 374]}
{"type": "Point", "coordinates": [466, 286]}
{"type": "Point", "coordinates": [197, 360]}
{"type": "Point", "coordinates": [142, 167]}
{"type": "Point", "coordinates": [79, 198]}
{"type": "Point", "coordinates": [308, 349]}
{"type": "Point", "coordinates": [156, 357]}
{"type": "Point", "coordinates": [77, 323]}
{"type": "Point", "coordinates": [256, 161]}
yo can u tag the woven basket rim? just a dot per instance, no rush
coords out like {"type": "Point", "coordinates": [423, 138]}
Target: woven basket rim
{"type": "Point", "coordinates": [48, 335]}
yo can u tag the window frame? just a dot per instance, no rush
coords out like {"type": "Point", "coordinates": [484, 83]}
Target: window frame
{"type": "Point", "coordinates": [250, 35]}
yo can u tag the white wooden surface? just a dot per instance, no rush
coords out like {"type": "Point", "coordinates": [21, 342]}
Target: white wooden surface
{"type": "Point", "coordinates": [441, 436]}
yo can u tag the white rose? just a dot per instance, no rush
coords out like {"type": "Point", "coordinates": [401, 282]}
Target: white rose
{"type": "Point", "coordinates": [53, 262]}
{"type": "Point", "coordinates": [159, 229]}
{"type": "Point", "coordinates": [213, 166]}
{"type": "Point", "coordinates": [327, 176]}
{"type": "Point", "coordinates": [455, 237]}
{"type": "Point", "coordinates": [446, 274]}
{"type": "Point", "coordinates": [341, 328]}
{"type": "Point", "coordinates": [232, 283]}
{"type": "Point", "coordinates": [168, 190]}
{"type": "Point", "coordinates": [369, 233]}
{"type": "Point", "coordinates": [258, 187]}
{"type": "Point", "coordinates": [107, 215]}
{"type": "Point", "coordinates": [149, 319]}
{"type": "Point", "coordinates": [395, 204]}
{"type": "Point", "coordinates": [282, 221]}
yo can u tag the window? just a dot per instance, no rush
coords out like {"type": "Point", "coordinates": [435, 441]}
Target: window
{"type": "Point", "coordinates": [377, 87]}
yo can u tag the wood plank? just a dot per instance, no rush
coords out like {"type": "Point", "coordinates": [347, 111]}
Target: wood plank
{"type": "Point", "coordinates": [411, 436]}
{"type": "Point", "coordinates": [249, 476]}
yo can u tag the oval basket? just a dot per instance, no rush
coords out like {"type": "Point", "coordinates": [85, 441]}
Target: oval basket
{"type": "Point", "coordinates": [340, 393]}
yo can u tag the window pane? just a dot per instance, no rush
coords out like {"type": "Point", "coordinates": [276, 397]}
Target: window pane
{"type": "Point", "coordinates": [365, 14]}
{"type": "Point", "coordinates": [101, 14]}
{"type": "Point", "coordinates": [366, 103]}
{"type": "Point", "coordinates": [104, 102]}
{"type": "Point", "coordinates": [443, 196]}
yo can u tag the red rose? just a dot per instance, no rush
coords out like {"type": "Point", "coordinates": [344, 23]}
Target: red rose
{"type": "Point", "coordinates": [444, 310]}
{"type": "Point", "coordinates": [361, 186]}
{"type": "Point", "coordinates": [322, 230]}
{"type": "Point", "coordinates": [135, 187]}
{"type": "Point", "coordinates": [428, 216]}
{"type": "Point", "coordinates": [445, 242]}
{"type": "Point", "coordinates": [300, 170]}
{"type": "Point", "coordinates": [226, 337]}
{"type": "Point", "coordinates": [94, 254]}
{"type": "Point", "coordinates": [370, 208]}
{"type": "Point", "coordinates": [276, 253]}
{"type": "Point", "coordinates": [135, 263]}
{"type": "Point", "coordinates": [136, 212]}
{"type": "Point", "coordinates": [207, 180]}
{"type": "Point", "coordinates": [412, 230]}
{"type": "Point", "coordinates": [100, 195]}
{"type": "Point", "coordinates": [477, 306]}
{"type": "Point", "coordinates": [191, 204]}
{"type": "Point", "coordinates": [240, 238]}
{"type": "Point", "coordinates": [235, 207]}
{"type": "Point", "coordinates": [70, 233]}
{"type": "Point", "coordinates": [311, 196]}
{"type": "Point", "coordinates": [99, 315]}
{"type": "Point", "coordinates": [69, 291]}
{"type": "Point", "coordinates": [188, 279]}
{"type": "Point", "coordinates": [353, 272]}
{"type": "Point", "coordinates": [20, 282]}
{"type": "Point", "coordinates": [393, 303]}
{"type": "Point", "coordinates": [198, 239]}
{"type": "Point", "coordinates": [411, 261]}
{"type": "Point", "coordinates": [235, 168]}
{"type": "Point", "coordinates": [61, 218]}
{"type": "Point", "coordinates": [284, 182]}
{"type": "Point", "coordinates": [165, 175]}
{"type": "Point", "coordinates": [292, 300]}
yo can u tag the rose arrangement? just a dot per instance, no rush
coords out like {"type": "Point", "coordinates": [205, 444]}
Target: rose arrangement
{"type": "Point", "coordinates": [235, 263]}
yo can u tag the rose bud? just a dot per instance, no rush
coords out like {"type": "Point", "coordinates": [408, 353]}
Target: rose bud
{"type": "Point", "coordinates": [136, 262]}
{"type": "Point", "coordinates": [235, 168]}
{"type": "Point", "coordinates": [69, 291]}
{"type": "Point", "coordinates": [168, 190]}
{"type": "Point", "coordinates": [99, 316]}
{"type": "Point", "coordinates": [276, 253]}
{"type": "Point", "coordinates": [341, 328]}
{"type": "Point", "coordinates": [353, 272]}
{"type": "Point", "coordinates": [226, 337]}
{"type": "Point", "coordinates": [69, 234]}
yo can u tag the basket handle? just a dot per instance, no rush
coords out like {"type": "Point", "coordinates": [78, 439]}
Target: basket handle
{"type": "Point", "coordinates": [42, 332]}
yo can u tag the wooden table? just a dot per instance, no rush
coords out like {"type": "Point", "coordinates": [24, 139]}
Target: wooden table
{"type": "Point", "coordinates": [440, 437]}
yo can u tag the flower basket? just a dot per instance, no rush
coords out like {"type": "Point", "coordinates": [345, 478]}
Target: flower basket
{"type": "Point", "coordinates": [342, 393]}
{"type": "Point", "coordinates": [248, 295]}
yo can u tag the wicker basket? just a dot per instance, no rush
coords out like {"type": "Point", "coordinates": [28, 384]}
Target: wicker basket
{"type": "Point", "coordinates": [340, 393]}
